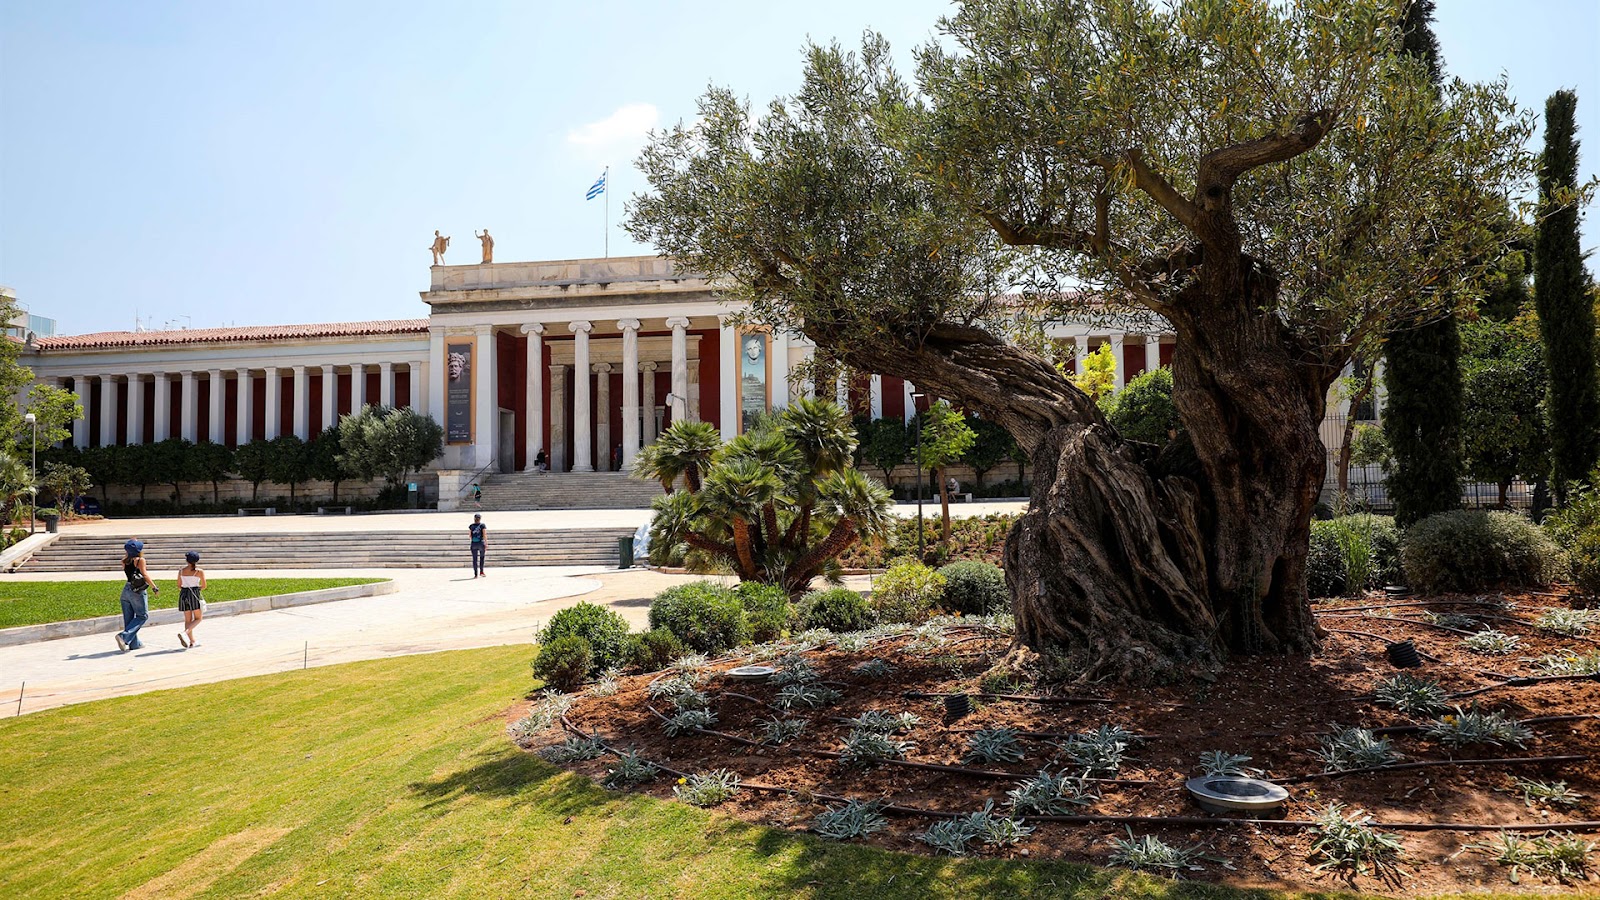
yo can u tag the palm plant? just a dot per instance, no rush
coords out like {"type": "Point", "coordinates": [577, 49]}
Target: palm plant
{"type": "Point", "coordinates": [683, 450]}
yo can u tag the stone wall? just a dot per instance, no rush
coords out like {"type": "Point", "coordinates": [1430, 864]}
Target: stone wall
{"type": "Point", "coordinates": [237, 491]}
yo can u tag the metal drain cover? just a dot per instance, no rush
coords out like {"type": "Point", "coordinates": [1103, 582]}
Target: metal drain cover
{"type": "Point", "coordinates": [1236, 793]}
{"type": "Point", "coordinates": [752, 673]}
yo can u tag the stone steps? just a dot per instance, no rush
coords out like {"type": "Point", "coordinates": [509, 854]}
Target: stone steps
{"type": "Point", "coordinates": [567, 490]}
{"type": "Point", "coordinates": [335, 550]}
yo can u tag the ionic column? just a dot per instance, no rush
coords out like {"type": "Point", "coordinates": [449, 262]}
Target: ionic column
{"type": "Point", "coordinates": [694, 393]}
{"type": "Point", "coordinates": [189, 413]}
{"type": "Point", "coordinates": [217, 429]}
{"type": "Point", "coordinates": [161, 409]}
{"type": "Point", "coordinates": [534, 408]}
{"type": "Point", "coordinates": [875, 397]}
{"type": "Point", "coordinates": [330, 396]}
{"type": "Point", "coordinates": [486, 427]}
{"type": "Point", "coordinates": [436, 374]}
{"type": "Point", "coordinates": [630, 390]}
{"type": "Point", "coordinates": [386, 384]}
{"type": "Point", "coordinates": [1079, 353]}
{"type": "Point", "coordinates": [80, 425]}
{"type": "Point", "coordinates": [358, 387]}
{"type": "Point", "coordinates": [648, 373]}
{"type": "Point", "coordinates": [780, 369]}
{"type": "Point", "coordinates": [135, 409]}
{"type": "Point", "coordinates": [582, 411]}
{"type": "Point", "coordinates": [272, 402]}
{"type": "Point", "coordinates": [680, 367]}
{"type": "Point", "coordinates": [558, 418]}
{"type": "Point", "coordinates": [243, 431]}
{"type": "Point", "coordinates": [1152, 352]}
{"type": "Point", "coordinates": [602, 416]}
{"type": "Point", "coordinates": [108, 410]}
{"type": "Point", "coordinates": [302, 403]}
{"type": "Point", "coordinates": [1119, 377]}
{"type": "Point", "coordinates": [730, 388]}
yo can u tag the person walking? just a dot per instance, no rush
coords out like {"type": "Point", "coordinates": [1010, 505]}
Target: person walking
{"type": "Point", "coordinates": [477, 495]}
{"type": "Point", "coordinates": [191, 581]}
{"type": "Point", "coordinates": [135, 595]}
{"type": "Point", "coordinates": [479, 532]}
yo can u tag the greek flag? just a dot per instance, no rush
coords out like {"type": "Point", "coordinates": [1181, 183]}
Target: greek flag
{"type": "Point", "coordinates": [598, 188]}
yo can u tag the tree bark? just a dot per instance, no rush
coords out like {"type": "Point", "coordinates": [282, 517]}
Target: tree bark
{"type": "Point", "coordinates": [944, 506]}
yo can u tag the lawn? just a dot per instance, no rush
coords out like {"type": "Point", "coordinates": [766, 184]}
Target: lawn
{"type": "Point", "coordinates": [394, 778]}
{"type": "Point", "coordinates": [38, 602]}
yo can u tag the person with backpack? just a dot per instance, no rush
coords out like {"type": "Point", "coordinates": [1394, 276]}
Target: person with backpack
{"type": "Point", "coordinates": [478, 532]}
{"type": "Point", "coordinates": [191, 581]}
{"type": "Point", "coordinates": [136, 591]}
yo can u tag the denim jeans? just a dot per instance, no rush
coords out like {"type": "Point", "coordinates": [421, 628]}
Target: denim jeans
{"type": "Point", "coordinates": [135, 610]}
{"type": "Point", "coordinates": [477, 558]}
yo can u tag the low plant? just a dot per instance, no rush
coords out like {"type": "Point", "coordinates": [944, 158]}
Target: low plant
{"type": "Point", "coordinates": [1470, 727]}
{"type": "Point", "coordinates": [1098, 752]}
{"type": "Point", "coordinates": [1492, 643]}
{"type": "Point", "coordinates": [950, 836]}
{"type": "Point", "coordinates": [706, 789]}
{"type": "Point", "coordinates": [776, 731]}
{"type": "Point", "coordinates": [544, 714]}
{"type": "Point", "coordinates": [689, 721]}
{"type": "Point", "coordinates": [975, 588]}
{"type": "Point", "coordinates": [811, 639]}
{"type": "Point", "coordinates": [1411, 695]}
{"type": "Point", "coordinates": [993, 745]}
{"type": "Point", "coordinates": [1051, 795]}
{"type": "Point", "coordinates": [996, 830]}
{"type": "Point", "coordinates": [574, 749]}
{"type": "Point", "coordinates": [854, 819]}
{"type": "Point", "coordinates": [808, 696]}
{"type": "Point", "coordinates": [606, 632]}
{"type": "Point", "coordinates": [606, 685]}
{"type": "Point", "coordinates": [1355, 748]}
{"type": "Point", "coordinates": [1569, 662]}
{"type": "Point", "coordinates": [767, 607]}
{"type": "Point", "coordinates": [1350, 554]}
{"type": "Point", "coordinates": [1218, 762]}
{"type": "Point", "coordinates": [907, 592]}
{"type": "Point", "coordinates": [690, 699]}
{"type": "Point", "coordinates": [1557, 854]}
{"type": "Point", "coordinates": [1474, 550]}
{"type": "Point", "coordinates": [690, 665]}
{"type": "Point", "coordinates": [564, 663]}
{"type": "Point", "coordinates": [655, 649]}
{"type": "Point", "coordinates": [1451, 620]}
{"type": "Point", "coordinates": [631, 769]}
{"type": "Point", "coordinates": [874, 668]}
{"type": "Point", "coordinates": [1350, 842]}
{"type": "Point", "coordinates": [1568, 622]}
{"type": "Point", "coordinates": [794, 669]}
{"type": "Point", "coordinates": [1002, 682]}
{"type": "Point", "coordinates": [884, 722]}
{"type": "Point", "coordinates": [667, 689]}
{"type": "Point", "coordinates": [864, 747]}
{"type": "Point", "coordinates": [1550, 793]}
{"type": "Point", "coordinates": [1152, 853]}
{"type": "Point", "coordinates": [705, 616]}
{"type": "Point", "coordinates": [836, 609]}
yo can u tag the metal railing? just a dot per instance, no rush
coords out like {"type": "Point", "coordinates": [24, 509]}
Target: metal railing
{"type": "Point", "coordinates": [1365, 484]}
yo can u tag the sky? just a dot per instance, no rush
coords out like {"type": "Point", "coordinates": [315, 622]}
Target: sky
{"type": "Point", "coordinates": [227, 163]}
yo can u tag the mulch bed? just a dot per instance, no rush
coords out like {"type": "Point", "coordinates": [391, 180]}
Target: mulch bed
{"type": "Point", "coordinates": [1273, 709]}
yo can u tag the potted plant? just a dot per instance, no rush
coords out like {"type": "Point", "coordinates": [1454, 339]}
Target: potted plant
{"type": "Point", "coordinates": [51, 517]}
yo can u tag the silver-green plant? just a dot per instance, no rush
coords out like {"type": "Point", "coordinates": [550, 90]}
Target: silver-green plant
{"type": "Point", "coordinates": [1451, 620]}
{"type": "Point", "coordinates": [993, 745]}
{"type": "Point", "coordinates": [794, 669]}
{"type": "Point", "coordinates": [1219, 762]}
{"type": "Point", "coordinates": [776, 731]}
{"type": "Point", "coordinates": [1492, 643]}
{"type": "Point", "coordinates": [1569, 662]}
{"type": "Point", "coordinates": [1550, 793]}
{"type": "Point", "coordinates": [949, 836]}
{"type": "Point", "coordinates": [1355, 748]}
{"type": "Point", "coordinates": [854, 819]}
{"type": "Point", "coordinates": [689, 721]}
{"type": "Point", "coordinates": [707, 788]}
{"type": "Point", "coordinates": [1152, 853]}
{"type": "Point", "coordinates": [671, 686]}
{"type": "Point", "coordinates": [863, 747]}
{"type": "Point", "coordinates": [1412, 696]}
{"type": "Point", "coordinates": [885, 722]}
{"type": "Point", "coordinates": [1472, 726]}
{"type": "Point", "coordinates": [1557, 854]}
{"type": "Point", "coordinates": [574, 749]}
{"type": "Point", "coordinates": [875, 668]}
{"type": "Point", "coordinates": [809, 696]}
{"type": "Point", "coordinates": [996, 830]}
{"type": "Point", "coordinates": [544, 714]}
{"type": "Point", "coordinates": [1098, 752]}
{"type": "Point", "coordinates": [1052, 795]}
{"type": "Point", "coordinates": [1350, 842]}
{"type": "Point", "coordinates": [691, 664]}
{"type": "Point", "coordinates": [631, 769]}
{"type": "Point", "coordinates": [606, 685]}
{"type": "Point", "coordinates": [1568, 622]}
{"type": "Point", "coordinates": [690, 699]}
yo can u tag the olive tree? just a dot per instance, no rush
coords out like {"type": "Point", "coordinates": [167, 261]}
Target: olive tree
{"type": "Point", "coordinates": [1255, 173]}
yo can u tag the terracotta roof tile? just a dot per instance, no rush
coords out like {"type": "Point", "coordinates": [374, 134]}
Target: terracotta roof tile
{"type": "Point", "coordinates": [105, 340]}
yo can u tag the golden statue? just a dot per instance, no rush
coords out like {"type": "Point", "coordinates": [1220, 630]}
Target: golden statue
{"type": "Point", "coordinates": [440, 244]}
{"type": "Point", "coordinates": [488, 245]}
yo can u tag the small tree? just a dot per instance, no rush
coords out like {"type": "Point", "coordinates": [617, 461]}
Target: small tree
{"type": "Point", "coordinates": [288, 463]}
{"type": "Point", "coordinates": [1143, 410]}
{"type": "Point", "coordinates": [991, 446]}
{"type": "Point", "coordinates": [65, 483]}
{"type": "Point", "coordinates": [945, 439]}
{"type": "Point", "coordinates": [211, 462]}
{"type": "Point", "coordinates": [683, 451]}
{"type": "Point", "coordinates": [1099, 375]}
{"type": "Point", "coordinates": [170, 462]}
{"type": "Point", "coordinates": [1504, 386]}
{"type": "Point", "coordinates": [325, 465]}
{"type": "Point", "coordinates": [254, 464]}
{"type": "Point", "coordinates": [389, 443]}
{"type": "Point", "coordinates": [885, 444]}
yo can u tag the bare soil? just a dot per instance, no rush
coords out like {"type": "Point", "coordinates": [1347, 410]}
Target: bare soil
{"type": "Point", "coordinates": [1273, 709]}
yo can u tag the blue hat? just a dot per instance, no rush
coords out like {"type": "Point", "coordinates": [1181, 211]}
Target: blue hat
{"type": "Point", "coordinates": [134, 547]}
{"type": "Point", "coordinates": [192, 557]}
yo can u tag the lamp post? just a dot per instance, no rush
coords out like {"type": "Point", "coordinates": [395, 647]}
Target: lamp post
{"type": "Point", "coordinates": [33, 475]}
{"type": "Point", "coordinates": [921, 541]}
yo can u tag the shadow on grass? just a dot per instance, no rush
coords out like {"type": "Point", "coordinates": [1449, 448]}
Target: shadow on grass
{"type": "Point", "coordinates": [513, 773]}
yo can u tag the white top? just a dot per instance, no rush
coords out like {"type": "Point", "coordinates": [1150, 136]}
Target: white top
{"type": "Point", "coordinates": [188, 581]}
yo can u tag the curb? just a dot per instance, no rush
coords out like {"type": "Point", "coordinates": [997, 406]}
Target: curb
{"type": "Point", "coordinates": [23, 550]}
{"type": "Point", "coordinates": [30, 634]}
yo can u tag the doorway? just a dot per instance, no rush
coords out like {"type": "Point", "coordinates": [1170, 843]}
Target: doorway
{"type": "Point", "coordinates": [508, 441]}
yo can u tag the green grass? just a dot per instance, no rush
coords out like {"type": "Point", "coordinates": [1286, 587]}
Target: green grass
{"type": "Point", "coordinates": [38, 602]}
{"type": "Point", "coordinates": [394, 778]}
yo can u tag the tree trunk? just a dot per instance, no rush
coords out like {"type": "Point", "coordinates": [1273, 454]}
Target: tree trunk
{"type": "Point", "coordinates": [1359, 398]}
{"type": "Point", "coordinates": [944, 506]}
{"type": "Point", "coordinates": [1505, 494]}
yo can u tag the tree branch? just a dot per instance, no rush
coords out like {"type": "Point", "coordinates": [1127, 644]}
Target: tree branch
{"type": "Point", "coordinates": [1220, 168]}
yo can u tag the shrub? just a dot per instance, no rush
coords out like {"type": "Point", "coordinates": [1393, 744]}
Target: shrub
{"type": "Point", "coordinates": [837, 609]}
{"type": "Point", "coordinates": [908, 592]}
{"type": "Point", "coordinates": [564, 662]}
{"type": "Point", "coordinates": [1473, 551]}
{"type": "Point", "coordinates": [1584, 557]}
{"type": "Point", "coordinates": [767, 607]}
{"type": "Point", "coordinates": [706, 616]}
{"type": "Point", "coordinates": [606, 632]}
{"type": "Point", "coordinates": [975, 588]}
{"type": "Point", "coordinates": [655, 649]}
{"type": "Point", "coordinates": [1352, 553]}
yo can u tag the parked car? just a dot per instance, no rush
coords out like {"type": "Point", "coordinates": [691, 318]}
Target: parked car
{"type": "Point", "coordinates": [86, 506]}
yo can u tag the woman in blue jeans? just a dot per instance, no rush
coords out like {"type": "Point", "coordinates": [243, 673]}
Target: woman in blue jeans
{"type": "Point", "coordinates": [135, 595]}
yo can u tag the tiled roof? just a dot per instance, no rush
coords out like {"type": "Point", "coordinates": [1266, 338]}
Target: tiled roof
{"type": "Point", "coordinates": [105, 340]}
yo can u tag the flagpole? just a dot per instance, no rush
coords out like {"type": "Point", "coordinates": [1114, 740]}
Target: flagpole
{"type": "Point", "coordinates": [607, 175]}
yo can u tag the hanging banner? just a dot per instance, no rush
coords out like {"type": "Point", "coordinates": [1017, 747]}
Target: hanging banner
{"type": "Point", "coordinates": [752, 378]}
{"type": "Point", "coordinates": [458, 392]}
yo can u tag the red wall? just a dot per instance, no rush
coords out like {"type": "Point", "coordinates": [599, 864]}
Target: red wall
{"type": "Point", "coordinates": [1132, 361]}
{"type": "Point", "coordinates": [230, 412]}
{"type": "Point", "coordinates": [710, 383]}
{"type": "Point", "coordinates": [202, 400]}
{"type": "Point", "coordinates": [314, 423]}
{"type": "Point", "coordinates": [894, 397]}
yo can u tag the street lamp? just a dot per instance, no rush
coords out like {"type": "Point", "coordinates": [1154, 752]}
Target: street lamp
{"type": "Point", "coordinates": [922, 548]}
{"type": "Point", "coordinates": [33, 475]}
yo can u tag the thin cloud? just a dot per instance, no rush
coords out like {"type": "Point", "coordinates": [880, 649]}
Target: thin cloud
{"type": "Point", "coordinates": [626, 127]}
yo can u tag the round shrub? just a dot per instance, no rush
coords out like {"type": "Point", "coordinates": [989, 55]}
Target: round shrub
{"type": "Point", "coordinates": [655, 649]}
{"type": "Point", "coordinates": [1474, 551]}
{"type": "Point", "coordinates": [704, 615]}
{"type": "Point", "coordinates": [606, 632]}
{"type": "Point", "coordinates": [908, 592]}
{"type": "Point", "coordinates": [767, 607]}
{"type": "Point", "coordinates": [1360, 547]}
{"type": "Point", "coordinates": [564, 663]}
{"type": "Point", "coordinates": [975, 588]}
{"type": "Point", "coordinates": [837, 609]}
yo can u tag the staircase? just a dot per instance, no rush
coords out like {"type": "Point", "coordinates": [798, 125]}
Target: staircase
{"type": "Point", "coordinates": [566, 490]}
{"type": "Point", "coordinates": [334, 550]}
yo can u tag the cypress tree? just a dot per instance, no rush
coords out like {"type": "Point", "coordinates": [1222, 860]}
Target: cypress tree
{"type": "Point", "coordinates": [1560, 294]}
{"type": "Point", "coordinates": [1422, 415]}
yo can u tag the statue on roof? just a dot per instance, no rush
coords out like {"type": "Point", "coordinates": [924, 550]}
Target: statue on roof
{"type": "Point", "coordinates": [440, 244]}
{"type": "Point", "coordinates": [488, 245]}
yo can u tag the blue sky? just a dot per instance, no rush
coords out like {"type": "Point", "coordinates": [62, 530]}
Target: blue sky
{"type": "Point", "coordinates": [219, 162]}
